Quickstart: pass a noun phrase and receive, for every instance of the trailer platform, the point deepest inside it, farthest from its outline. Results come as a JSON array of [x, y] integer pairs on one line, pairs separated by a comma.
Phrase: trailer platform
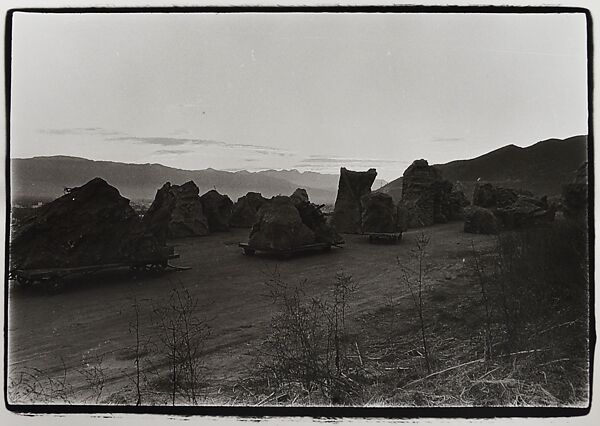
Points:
[[52, 278], [250, 251], [384, 237]]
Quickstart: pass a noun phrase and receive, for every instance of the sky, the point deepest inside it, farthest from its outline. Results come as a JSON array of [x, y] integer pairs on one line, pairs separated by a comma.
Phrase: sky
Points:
[[306, 91]]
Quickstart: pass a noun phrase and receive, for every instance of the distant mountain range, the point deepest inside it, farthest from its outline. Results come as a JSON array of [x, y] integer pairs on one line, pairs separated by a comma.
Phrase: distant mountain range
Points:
[[542, 168], [44, 178]]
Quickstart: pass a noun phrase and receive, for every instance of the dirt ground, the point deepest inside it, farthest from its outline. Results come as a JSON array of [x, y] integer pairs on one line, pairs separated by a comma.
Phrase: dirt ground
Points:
[[91, 318]]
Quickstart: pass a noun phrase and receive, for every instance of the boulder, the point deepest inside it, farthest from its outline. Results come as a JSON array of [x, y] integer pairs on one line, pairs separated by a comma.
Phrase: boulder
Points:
[[280, 226], [299, 197], [316, 221], [479, 220], [402, 218], [514, 209], [442, 190], [353, 185], [244, 211], [92, 224], [218, 210], [521, 213], [425, 195], [314, 218], [176, 212], [458, 202], [378, 213], [489, 196]]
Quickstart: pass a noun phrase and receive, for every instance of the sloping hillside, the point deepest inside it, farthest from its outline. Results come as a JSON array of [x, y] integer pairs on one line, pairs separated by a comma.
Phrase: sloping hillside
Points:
[[541, 168], [46, 177]]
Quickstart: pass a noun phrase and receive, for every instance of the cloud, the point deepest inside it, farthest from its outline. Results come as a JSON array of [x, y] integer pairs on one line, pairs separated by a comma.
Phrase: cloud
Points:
[[172, 151], [178, 141], [81, 131], [168, 141], [314, 160], [446, 139]]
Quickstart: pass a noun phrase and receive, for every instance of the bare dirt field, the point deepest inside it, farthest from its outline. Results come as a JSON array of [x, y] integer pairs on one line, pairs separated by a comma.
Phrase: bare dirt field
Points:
[[91, 317], [77, 346]]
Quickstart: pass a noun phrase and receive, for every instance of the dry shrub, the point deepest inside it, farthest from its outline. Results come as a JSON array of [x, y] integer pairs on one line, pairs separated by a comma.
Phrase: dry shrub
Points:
[[308, 344]]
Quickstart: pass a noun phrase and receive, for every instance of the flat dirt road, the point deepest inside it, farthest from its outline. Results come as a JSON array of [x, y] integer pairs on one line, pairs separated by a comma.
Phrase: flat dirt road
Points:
[[91, 318]]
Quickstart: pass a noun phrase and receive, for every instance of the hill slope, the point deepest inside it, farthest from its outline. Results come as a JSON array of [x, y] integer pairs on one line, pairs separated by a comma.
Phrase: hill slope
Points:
[[541, 168], [45, 178]]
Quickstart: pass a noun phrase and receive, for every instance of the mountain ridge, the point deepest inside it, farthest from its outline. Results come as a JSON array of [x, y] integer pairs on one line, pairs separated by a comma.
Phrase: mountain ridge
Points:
[[45, 177], [542, 168]]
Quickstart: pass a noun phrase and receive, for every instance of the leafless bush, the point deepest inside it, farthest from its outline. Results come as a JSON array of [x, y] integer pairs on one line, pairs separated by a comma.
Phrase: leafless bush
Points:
[[93, 372], [33, 385], [181, 337], [308, 341], [414, 277], [485, 300], [532, 277]]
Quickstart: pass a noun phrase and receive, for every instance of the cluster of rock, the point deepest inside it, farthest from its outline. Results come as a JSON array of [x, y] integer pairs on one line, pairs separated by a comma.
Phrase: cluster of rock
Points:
[[285, 223], [496, 208], [92, 224], [178, 211], [427, 198]]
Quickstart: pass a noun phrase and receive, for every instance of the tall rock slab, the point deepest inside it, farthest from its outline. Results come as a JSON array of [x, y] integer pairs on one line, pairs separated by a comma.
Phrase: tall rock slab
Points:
[[425, 195], [176, 212], [347, 213]]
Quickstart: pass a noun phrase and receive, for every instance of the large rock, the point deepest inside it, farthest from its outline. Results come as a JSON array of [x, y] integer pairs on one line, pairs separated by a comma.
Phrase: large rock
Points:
[[513, 209], [489, 196], [442, 211], [458, 202], [524, 212], [218, 209], [244, 211], [177, 212], [92, 224], [314, 218], [280, 227], [347, 213], [425, 195], [479, 220], [299, 197], [402, 218], [378, 213]]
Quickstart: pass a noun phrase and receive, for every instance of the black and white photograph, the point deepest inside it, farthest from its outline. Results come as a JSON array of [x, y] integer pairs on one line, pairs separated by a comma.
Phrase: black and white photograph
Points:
[[299, 208]]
